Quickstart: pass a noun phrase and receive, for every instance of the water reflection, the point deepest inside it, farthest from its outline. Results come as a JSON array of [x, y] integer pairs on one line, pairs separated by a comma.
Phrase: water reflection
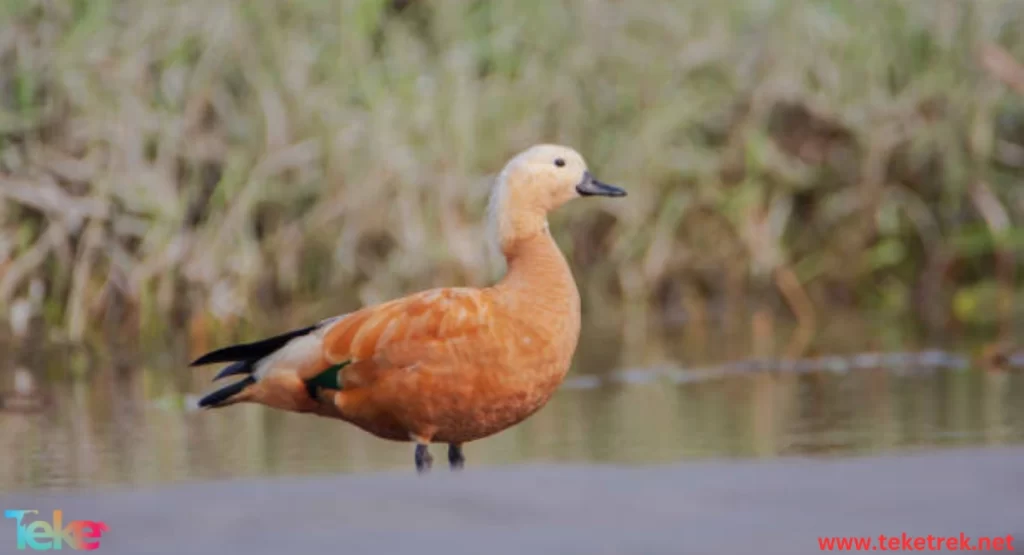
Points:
[[134, 427]]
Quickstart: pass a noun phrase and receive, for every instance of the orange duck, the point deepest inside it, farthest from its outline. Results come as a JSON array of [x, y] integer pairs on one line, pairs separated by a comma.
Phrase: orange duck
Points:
[[446, 365]]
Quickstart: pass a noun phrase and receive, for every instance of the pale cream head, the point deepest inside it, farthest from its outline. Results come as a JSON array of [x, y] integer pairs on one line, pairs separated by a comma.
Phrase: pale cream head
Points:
[[535, 182]]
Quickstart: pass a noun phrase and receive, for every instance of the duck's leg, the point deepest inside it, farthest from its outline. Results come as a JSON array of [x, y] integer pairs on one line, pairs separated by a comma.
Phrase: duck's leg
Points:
[[455, 459], [423, 459]]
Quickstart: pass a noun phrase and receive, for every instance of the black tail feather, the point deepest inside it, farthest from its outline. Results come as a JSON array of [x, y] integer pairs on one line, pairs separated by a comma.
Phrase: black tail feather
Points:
[[250, 351], [240, 367], [216, 398]]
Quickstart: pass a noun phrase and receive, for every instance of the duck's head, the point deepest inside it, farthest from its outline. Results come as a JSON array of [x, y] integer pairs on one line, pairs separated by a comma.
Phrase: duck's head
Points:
[[535, 182]]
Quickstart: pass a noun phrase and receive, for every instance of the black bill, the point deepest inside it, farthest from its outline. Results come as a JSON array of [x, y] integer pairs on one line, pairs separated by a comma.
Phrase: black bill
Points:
[[591, 187]]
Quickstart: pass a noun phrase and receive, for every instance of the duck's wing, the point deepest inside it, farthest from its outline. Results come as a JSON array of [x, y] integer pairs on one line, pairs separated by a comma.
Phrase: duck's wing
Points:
[[440, 325], [435, 325]]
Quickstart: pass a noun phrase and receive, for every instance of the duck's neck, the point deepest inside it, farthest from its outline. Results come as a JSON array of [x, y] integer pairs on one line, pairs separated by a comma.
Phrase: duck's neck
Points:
[[539, 280]]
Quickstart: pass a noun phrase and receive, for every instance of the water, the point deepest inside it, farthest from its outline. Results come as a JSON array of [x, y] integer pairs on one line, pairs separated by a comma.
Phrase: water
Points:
[[134, 425]]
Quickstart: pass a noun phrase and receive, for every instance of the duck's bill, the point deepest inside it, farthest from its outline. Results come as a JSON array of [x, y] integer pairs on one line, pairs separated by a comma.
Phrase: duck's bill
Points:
[[591, 187]]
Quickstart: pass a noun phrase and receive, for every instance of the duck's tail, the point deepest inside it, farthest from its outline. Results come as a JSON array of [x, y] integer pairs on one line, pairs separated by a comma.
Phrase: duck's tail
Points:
[[246, 358]]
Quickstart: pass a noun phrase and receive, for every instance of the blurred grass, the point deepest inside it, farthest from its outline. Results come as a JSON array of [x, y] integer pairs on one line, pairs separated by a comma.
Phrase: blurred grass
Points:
[[186, 163]]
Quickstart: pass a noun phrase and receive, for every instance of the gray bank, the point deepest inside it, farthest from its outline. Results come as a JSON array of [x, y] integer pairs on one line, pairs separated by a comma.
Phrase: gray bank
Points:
[[773, 506]]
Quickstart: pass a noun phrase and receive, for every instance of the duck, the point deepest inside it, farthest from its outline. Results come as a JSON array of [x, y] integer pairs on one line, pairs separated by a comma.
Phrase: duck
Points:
[[447, 365]]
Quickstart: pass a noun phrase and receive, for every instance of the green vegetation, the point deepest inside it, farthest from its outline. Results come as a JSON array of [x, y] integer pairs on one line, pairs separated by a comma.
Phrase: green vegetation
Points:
[[169, 163]]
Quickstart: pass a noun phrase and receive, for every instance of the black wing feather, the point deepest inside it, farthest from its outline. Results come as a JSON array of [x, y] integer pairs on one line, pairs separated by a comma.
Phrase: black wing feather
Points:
[[250, 351], [213, 400]]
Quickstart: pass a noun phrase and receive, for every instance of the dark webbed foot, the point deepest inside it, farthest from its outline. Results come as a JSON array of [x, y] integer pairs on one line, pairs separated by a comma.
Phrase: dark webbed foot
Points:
[[423, 459], [455, 459]]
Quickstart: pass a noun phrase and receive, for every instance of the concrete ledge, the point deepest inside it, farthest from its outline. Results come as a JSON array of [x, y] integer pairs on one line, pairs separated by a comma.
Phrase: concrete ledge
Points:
[[772, 506]]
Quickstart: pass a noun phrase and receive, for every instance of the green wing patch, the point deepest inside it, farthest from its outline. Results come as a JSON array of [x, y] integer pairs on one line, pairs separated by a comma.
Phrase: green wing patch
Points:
[[328, 379]]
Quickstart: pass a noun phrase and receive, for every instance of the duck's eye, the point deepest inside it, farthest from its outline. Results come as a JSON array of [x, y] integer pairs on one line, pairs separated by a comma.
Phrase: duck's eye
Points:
[[559, 162]]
